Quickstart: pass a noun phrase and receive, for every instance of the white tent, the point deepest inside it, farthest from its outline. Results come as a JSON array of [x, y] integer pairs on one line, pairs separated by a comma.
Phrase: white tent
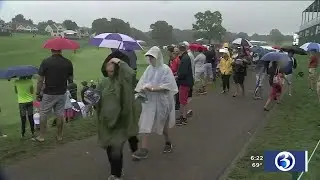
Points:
[[69, 32]]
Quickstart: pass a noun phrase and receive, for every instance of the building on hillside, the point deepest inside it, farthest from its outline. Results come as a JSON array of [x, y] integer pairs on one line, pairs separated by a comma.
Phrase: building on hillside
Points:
[[5, 27], [25, 28], [55, 29], [310, 24]]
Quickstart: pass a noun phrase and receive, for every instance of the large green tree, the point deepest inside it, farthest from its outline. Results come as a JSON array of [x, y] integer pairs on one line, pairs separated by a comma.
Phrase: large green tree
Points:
[[208, 25], [101, 25], [119, 26], [70, 25], [243, 35], [162, 33], [276, 36]]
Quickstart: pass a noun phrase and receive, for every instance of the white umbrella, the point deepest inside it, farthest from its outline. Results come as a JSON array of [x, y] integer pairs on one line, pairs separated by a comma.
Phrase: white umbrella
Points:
[[242, 42]]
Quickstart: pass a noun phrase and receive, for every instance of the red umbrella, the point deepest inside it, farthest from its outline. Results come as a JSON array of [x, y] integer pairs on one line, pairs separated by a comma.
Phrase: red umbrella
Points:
[[196, 47], [61, 44]]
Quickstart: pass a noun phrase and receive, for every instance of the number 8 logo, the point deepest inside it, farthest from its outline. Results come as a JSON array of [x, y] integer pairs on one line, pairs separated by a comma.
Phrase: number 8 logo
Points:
[[284, 161]]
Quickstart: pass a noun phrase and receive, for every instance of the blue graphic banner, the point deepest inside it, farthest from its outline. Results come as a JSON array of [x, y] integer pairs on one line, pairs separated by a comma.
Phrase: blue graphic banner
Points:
[[285, 161]]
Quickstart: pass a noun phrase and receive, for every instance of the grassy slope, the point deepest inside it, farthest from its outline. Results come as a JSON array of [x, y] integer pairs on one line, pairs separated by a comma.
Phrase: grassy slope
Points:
[[25, 50], [294, 125]]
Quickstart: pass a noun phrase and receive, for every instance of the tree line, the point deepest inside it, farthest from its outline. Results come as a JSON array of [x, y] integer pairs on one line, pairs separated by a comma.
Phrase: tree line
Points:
[[208, 25]]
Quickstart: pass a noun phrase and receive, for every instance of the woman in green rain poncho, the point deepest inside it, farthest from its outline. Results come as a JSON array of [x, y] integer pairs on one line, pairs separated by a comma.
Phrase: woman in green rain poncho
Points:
[[116, 112]]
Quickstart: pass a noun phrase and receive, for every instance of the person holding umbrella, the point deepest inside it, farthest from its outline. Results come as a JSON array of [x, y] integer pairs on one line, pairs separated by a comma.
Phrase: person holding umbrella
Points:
[[239, 66], [288, 70], [55, 87]]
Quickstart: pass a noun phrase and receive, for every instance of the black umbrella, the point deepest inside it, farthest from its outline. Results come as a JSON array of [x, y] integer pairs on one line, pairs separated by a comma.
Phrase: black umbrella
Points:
[[294, 49]]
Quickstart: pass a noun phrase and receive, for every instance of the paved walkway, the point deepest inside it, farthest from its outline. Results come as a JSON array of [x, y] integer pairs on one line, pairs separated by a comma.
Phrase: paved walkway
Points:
[[202, 150]]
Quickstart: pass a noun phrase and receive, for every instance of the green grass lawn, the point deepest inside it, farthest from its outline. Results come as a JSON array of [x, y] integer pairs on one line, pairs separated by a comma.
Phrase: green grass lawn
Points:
[[293, 125], [23, 49]]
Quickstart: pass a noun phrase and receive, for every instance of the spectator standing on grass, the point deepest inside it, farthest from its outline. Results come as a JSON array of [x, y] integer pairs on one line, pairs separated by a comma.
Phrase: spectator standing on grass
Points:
[[313, 65], [68, 112], [116, 112], [2, 135], [288, 71], [199, 70], [54, 91], [158, 114], [93, 84], [185, 81], [23, 87], [73, 89], [88, 107]]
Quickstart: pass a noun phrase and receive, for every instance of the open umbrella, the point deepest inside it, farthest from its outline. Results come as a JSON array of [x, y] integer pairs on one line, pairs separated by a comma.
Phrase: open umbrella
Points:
[[196, 47], [242, 42], [282, 58], [18, 71], [60, 43], [115, 40], [294, 49], [311, 46]]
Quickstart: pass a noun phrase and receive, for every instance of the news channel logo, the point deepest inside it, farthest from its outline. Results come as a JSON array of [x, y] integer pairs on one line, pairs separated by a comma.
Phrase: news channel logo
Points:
[[285, 161]]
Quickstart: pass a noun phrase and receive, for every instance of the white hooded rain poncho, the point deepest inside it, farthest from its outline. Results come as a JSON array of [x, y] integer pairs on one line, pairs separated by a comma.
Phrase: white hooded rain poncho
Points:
[[158, 111]]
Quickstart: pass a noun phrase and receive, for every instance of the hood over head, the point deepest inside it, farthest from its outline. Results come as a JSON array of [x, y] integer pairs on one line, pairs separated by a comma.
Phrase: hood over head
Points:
[[116, 54]]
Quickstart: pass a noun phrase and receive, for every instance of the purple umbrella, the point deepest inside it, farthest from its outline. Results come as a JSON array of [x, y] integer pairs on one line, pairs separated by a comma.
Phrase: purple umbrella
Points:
[[115, 40]]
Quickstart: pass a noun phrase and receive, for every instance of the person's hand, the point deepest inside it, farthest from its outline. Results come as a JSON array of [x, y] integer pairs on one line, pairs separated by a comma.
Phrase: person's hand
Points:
[[115, 60], [148, 88]]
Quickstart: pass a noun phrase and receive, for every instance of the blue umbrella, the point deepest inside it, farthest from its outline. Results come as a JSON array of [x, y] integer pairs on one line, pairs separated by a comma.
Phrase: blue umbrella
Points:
[[282, 58], [311, 46], [259, 50], [18, 71], [115, 40]]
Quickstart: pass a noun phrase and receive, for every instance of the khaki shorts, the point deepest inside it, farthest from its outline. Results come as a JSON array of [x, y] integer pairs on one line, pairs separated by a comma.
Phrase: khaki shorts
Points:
[[312, 73], [55, 102]]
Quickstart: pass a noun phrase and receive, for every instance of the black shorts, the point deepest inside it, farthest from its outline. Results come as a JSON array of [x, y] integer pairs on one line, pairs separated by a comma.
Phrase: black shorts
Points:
[[238, 78], [26, 109]]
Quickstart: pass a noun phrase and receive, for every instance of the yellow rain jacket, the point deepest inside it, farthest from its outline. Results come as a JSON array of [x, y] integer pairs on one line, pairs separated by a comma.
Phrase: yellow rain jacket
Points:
[[226, 65]]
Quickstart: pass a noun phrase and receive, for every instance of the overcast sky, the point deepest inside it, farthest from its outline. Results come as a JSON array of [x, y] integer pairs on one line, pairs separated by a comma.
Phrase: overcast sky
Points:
[[246, 16]]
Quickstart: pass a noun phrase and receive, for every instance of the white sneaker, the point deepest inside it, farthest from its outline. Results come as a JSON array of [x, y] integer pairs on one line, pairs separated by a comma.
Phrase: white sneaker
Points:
[[112, 177], [290, 94], [3, 135]]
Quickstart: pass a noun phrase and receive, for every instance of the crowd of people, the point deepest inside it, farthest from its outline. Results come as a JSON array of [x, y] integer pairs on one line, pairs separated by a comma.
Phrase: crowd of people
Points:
[[126, 108]]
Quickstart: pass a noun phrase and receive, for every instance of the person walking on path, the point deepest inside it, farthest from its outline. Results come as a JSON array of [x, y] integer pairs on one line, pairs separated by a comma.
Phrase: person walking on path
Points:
[[23, 87], [185, 81], [226, 71], [158, 113], [239, 73], [261, 68], [288, 71], [54, 91], [199, 69], [313, 65], [275, 81], [116, 111]]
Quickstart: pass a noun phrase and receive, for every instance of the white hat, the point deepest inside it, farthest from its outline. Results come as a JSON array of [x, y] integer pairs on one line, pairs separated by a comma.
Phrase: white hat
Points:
[[91, 81], [223, 50]]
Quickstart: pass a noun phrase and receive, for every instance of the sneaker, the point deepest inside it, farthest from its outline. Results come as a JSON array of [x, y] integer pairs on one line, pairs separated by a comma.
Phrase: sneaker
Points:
[[189, 113], [184, 121], [179, 122], [141, 154], [112, 177], [290, 94], [167, 148], [3, 135], [223, 91]]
